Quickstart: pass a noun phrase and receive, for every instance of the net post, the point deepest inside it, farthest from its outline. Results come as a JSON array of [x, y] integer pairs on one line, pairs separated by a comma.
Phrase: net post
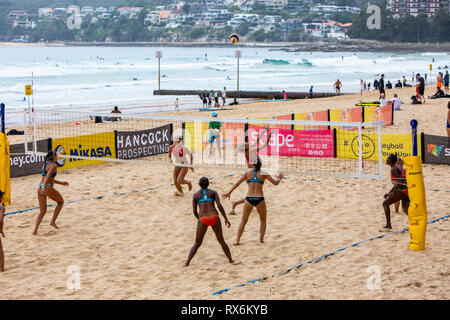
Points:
[[380, 153], [25, 130], [422, 146], [360, 158], [335, 142], [2, 113], [414, 123]]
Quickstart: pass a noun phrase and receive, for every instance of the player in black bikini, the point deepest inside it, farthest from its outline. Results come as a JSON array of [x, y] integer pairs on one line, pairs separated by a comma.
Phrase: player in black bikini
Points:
[[255, 197]]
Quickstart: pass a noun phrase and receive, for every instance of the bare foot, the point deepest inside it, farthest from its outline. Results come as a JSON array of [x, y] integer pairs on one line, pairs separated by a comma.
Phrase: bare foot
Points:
[[385, 229], [236, 243], [185, 265], [178, 193], [261, 241], [232, 213], [190, 186], [235, 263], [34, 233], [53, 224], [234, 204], [2, 234]]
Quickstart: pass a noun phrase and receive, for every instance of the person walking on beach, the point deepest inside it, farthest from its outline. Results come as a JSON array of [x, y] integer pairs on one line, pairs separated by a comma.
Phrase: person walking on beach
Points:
[[376, 85], [337, 86], [255, 197], [183, 161], [361, 84], [207, 216], [203, 97], [46, 189], [216, 99], [398, 193], [214, 135], [420, 88], [311, 92], [381, 85], [446, 79], [177, 107], [224, 96]]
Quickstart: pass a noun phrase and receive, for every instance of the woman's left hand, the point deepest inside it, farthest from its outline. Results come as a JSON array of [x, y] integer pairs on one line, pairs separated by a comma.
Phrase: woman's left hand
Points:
[[65, 183]]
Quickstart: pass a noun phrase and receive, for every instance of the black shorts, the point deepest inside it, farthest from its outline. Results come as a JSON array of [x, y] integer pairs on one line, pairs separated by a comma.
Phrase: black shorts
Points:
[[382, 91], [421, 90], [445, 84]]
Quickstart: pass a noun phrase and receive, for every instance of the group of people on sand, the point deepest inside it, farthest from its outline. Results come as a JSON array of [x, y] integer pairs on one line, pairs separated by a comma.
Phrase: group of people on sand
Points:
[[208, 97]]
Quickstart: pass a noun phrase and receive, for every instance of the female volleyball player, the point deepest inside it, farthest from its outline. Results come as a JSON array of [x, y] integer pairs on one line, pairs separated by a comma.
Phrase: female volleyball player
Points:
[[46, 189], [398, 193], [402, 166], [180, 154], [251, 153], [255, 197], [2, 214], [208, 216]]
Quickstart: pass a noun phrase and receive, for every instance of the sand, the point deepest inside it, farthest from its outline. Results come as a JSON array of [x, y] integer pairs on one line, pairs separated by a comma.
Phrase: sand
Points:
[[132, 246]]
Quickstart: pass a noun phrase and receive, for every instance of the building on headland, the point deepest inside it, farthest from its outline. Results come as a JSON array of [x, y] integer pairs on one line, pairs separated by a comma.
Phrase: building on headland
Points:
[[17, 14], [274, 4], [416, 7], [327, 10]]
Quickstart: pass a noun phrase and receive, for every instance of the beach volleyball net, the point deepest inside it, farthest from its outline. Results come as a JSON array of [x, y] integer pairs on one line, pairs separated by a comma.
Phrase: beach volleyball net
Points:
[[316, 148]]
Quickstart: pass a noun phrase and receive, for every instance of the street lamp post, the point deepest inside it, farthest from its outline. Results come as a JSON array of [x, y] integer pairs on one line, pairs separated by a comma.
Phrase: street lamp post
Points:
[[159, 55], [237, 55]]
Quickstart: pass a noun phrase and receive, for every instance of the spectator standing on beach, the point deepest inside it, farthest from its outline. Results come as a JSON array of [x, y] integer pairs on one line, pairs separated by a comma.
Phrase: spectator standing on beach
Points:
[[311, 92], [368, 86], [425, 78], [396, 102], [224, 96], [404, 81], [381, 85], [284, 95], [210, 98], [203, 97], [337, 86], [216, 99], [413, 78], [376, 85], [177, 108], [446, 78], [420, 88], [361, 84], [439, 79]]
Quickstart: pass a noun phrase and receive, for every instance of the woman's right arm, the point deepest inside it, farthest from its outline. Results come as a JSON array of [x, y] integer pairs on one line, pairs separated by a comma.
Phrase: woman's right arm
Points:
[[237, 184], [275, 181], [170, 153]]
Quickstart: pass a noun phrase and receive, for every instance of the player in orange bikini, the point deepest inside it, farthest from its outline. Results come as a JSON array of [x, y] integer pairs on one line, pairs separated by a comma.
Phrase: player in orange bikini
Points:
[[207, 216]]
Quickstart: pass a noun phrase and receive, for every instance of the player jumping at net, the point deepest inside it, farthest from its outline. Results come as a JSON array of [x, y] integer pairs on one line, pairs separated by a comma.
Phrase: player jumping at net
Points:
[[182, 165], [255, 197], [46, 189], [208, 216], [251, 154], [398, 193]]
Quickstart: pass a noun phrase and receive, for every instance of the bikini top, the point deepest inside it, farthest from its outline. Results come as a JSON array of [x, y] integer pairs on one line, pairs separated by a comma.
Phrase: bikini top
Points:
[[255, 178], [44, 171], [205, 197], [401, 178]]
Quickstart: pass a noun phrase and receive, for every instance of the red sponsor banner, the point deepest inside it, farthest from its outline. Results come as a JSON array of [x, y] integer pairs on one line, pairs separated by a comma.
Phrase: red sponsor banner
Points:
[[379, 114], [300, 143]]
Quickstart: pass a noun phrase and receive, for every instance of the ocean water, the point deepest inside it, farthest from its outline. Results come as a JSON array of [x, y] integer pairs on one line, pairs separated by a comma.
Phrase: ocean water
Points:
[[98, 78]]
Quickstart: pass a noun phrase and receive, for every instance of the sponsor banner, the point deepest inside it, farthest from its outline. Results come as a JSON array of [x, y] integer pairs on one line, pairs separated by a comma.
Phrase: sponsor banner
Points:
[[347, 145], [312, 116], [98, 145], [233, 133], [347, 115], [143, 143], [196, 135], [379, 114], [301, 143], [436, 149], [22, 164]]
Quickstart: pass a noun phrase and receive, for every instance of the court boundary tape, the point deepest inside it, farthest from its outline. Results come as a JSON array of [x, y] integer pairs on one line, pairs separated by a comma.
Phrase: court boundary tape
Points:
[[319, 258], [113, 195]]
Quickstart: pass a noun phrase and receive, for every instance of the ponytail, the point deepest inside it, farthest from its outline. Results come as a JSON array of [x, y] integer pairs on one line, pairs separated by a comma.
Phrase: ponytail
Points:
[[50, 155], [258, 164]]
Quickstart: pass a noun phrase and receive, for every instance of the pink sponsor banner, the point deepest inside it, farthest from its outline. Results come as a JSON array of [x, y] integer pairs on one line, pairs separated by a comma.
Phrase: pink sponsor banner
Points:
[[300, 143]]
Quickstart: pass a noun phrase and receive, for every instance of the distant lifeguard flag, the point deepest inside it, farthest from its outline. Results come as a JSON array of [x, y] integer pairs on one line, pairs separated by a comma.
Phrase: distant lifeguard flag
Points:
[[28, 91], [234, 38]]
